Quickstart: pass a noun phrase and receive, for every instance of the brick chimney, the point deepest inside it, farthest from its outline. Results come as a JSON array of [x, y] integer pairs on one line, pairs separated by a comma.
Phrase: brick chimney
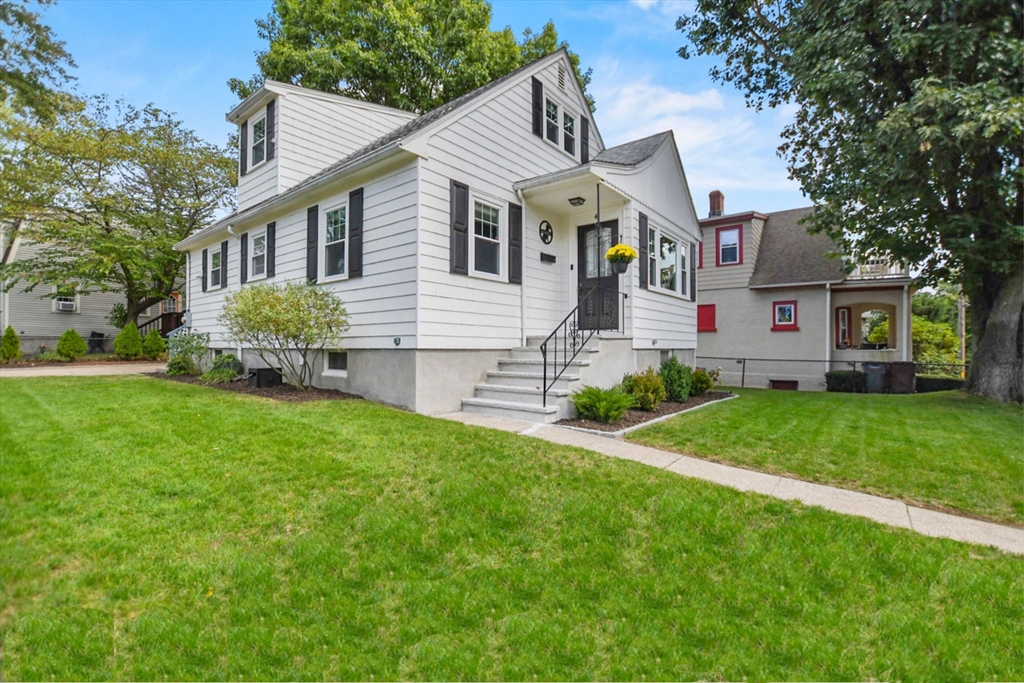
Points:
[[717, 204]]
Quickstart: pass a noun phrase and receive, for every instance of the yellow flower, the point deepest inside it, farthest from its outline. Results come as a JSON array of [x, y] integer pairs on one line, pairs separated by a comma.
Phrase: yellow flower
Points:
[[621, 252]]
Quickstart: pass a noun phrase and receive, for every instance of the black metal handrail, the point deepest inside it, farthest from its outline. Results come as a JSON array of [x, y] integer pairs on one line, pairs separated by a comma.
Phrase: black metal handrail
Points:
[[163, 323], [573, 338]]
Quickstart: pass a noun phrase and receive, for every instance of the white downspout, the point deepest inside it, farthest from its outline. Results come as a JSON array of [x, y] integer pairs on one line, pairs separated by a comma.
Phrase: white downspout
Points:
[[828, 326], [238, 238], [522, 285]]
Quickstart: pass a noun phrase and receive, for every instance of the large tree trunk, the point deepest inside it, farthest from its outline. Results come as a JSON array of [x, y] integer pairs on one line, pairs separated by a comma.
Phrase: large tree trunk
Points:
[[997, 319]]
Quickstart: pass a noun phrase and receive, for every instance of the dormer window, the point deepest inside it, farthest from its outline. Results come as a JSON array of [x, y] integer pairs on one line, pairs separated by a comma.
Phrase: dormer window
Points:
[[259, 140], [729, 243], [552, 121]]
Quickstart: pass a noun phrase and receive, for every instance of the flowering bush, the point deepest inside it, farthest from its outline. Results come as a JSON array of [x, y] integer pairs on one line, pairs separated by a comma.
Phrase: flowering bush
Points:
[[621, 253]]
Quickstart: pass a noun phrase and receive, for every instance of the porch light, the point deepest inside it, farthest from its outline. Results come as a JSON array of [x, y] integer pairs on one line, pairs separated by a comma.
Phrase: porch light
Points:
[[577, 201]]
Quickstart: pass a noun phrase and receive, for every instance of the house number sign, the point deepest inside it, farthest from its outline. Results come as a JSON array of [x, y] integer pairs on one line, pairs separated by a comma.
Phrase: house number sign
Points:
[[546, 233]]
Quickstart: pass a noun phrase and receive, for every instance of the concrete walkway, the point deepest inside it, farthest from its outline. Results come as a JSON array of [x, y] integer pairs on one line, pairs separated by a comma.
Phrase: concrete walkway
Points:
[[884, 510], [82, 370]]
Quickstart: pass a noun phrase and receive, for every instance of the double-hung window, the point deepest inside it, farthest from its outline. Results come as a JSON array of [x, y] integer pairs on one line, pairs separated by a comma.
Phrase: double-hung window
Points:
[[258, 265], [569, 133], [215, 269], [334, 242], [551, 110], [668, 267], [259, 140], [486, 239], [729, 246]]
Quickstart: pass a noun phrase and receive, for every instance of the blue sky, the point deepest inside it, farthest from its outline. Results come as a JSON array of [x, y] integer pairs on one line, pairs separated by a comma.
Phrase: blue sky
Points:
[[179, 54]]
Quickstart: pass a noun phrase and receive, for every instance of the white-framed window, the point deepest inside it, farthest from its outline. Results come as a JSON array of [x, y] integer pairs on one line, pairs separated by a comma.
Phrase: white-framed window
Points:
[[258, 255], [170, 305], [551, 114], [259, 140], [336, 363], [215, 269], [569, 133], [729, 246], [667, 262], [335, 236], [486, 253]]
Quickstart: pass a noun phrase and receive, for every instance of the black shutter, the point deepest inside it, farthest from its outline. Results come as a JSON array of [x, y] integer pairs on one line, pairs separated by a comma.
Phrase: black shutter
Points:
[[243, 149], [693, 271], [223, 264], [644, 265], [270, 129], [515, 244], [312, 231], [585, 140], [538, 108], [459, 248], [355, 233], [243, 256], [271, 247], [205, 260]]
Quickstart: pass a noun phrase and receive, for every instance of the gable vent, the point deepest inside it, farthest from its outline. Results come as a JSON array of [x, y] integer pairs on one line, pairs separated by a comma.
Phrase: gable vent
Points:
[[561, 77]]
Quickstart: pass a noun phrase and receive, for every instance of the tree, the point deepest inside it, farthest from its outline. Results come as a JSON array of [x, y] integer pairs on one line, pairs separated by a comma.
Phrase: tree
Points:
[[32, 63], [285, 325], [409, 54], [907, 135], [932, 342], [124, 185]]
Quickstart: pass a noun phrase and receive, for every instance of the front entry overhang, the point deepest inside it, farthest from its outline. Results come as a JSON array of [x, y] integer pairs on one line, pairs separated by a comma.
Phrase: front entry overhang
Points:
[[552, 192]]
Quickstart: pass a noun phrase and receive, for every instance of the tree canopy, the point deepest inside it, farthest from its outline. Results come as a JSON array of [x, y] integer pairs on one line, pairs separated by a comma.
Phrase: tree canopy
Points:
[[32, 62], [409, 54], [105, 193], [907, 134]]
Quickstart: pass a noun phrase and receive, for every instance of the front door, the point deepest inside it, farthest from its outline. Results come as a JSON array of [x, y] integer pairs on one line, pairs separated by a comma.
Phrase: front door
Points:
[[598, 285]]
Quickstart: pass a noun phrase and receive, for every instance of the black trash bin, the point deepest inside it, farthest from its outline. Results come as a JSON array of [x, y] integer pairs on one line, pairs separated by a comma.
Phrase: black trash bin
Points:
[[874, 377], [902, 377]]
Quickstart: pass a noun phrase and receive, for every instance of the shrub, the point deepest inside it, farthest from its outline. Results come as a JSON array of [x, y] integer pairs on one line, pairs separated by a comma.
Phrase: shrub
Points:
[[190, 348], [227, 361], [929, 383], [118, 316], [701, 382], [627, 382], [217, 375], [601, 405], [677, 378], [846, 381], [71, 346], [153, 345], [52, 356], [286, 326], [128, 343], [647, 389], [10, 346], [180, 365]]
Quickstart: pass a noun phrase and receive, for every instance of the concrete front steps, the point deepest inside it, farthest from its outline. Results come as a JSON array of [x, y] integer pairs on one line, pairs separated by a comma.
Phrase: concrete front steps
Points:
[[515, 390]]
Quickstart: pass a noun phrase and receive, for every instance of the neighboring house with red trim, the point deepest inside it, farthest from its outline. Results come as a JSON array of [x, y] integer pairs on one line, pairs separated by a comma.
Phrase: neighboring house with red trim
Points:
[[769, 290]]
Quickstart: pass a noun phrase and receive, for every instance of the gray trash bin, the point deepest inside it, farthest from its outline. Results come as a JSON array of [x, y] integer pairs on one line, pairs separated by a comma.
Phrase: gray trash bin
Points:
[[874, 377]]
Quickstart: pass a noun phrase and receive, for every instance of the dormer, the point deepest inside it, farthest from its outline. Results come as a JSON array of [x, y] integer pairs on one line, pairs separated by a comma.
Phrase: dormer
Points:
[[287, 133]]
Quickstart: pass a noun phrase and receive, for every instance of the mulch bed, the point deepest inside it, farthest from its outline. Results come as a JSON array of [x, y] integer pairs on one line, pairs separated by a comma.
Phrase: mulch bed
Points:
[[638, 417], [283, 392]]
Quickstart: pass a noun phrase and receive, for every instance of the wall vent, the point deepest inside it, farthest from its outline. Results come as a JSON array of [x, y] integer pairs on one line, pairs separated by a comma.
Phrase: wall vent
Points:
[[561, 77]]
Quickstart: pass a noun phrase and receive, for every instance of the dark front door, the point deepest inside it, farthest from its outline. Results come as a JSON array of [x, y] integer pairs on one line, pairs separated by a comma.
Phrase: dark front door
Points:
[[598, 285]]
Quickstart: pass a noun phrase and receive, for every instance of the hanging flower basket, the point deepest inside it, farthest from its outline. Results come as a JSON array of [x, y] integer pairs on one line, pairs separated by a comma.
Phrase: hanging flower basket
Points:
[[620, 256]]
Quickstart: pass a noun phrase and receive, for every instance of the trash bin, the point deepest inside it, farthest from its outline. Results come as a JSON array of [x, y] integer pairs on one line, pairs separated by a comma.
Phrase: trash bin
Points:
[[902, 377], [874, 377]]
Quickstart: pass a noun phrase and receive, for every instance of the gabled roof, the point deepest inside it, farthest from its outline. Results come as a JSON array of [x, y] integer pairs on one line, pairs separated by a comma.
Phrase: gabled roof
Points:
[[633, 153], [382, 145], [790, 255]]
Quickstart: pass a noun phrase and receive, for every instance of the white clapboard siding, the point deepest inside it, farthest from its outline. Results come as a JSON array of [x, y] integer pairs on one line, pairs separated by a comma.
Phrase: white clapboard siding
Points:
[[727, 277], [489, 148], [382, 303]]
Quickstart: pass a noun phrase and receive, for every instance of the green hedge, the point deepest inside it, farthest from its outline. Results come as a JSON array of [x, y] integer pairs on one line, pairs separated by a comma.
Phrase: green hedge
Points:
[[929, 383], [846, 381]]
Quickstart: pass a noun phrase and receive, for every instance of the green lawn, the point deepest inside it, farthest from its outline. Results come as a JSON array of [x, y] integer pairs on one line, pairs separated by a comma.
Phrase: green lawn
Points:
[[945, 449], [157, 530]]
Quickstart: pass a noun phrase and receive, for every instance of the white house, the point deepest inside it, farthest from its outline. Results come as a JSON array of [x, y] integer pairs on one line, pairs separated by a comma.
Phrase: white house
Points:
[[460, 240]]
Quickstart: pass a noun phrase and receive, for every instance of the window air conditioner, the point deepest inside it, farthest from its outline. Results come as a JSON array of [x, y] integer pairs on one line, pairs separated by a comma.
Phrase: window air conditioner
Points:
[[65, 305]]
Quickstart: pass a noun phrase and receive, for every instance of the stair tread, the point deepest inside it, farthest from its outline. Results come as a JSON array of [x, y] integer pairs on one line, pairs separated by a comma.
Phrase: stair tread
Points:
[[509, 405], [535, 361], [527, 375], [512, 389]]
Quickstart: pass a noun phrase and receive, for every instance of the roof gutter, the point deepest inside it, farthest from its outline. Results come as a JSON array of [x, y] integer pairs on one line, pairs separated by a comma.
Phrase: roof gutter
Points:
[[557, 177], [289, 195], [796, 284]]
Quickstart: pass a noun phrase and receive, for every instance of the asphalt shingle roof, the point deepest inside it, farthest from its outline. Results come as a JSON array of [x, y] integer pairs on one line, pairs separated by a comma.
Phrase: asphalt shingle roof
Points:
[[790, 255], [632, 153]]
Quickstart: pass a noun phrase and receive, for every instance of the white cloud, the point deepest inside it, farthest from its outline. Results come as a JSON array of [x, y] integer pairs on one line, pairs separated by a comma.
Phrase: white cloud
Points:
[[644, 4]]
